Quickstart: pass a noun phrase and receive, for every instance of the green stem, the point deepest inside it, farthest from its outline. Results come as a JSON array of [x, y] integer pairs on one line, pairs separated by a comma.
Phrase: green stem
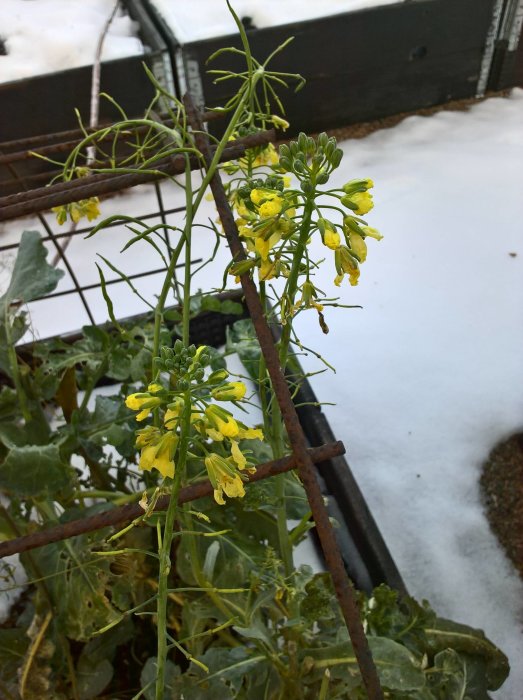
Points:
[[158, 314], [292, 281], [15, 371], [228, 133], [165, 553], [172, 510], [277, 423]]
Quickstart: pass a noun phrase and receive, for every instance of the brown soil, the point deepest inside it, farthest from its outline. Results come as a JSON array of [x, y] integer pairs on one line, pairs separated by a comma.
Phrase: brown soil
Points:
[[502, 492]]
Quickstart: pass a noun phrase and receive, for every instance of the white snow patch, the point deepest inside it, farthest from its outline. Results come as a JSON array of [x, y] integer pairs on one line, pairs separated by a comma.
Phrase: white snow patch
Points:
[[206, 19], [43, 36]]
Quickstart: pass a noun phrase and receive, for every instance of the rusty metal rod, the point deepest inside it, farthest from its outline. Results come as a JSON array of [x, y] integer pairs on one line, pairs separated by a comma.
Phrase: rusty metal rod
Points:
[[32, 142], [306, 471], [43, 198], [162, 164], [124, 514]]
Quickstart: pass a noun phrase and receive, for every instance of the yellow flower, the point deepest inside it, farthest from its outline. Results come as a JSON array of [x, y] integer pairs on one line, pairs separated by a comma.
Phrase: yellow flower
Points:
[[263, 247], [280, 123], [90, 208], [233, 391], [268, 156], [360, 185], [147, 435], [142, 402], [268, 269], [224, 478], [160, 456], [154, 388], [331, 239], [358, 246], [372, 232], [222, 421], [271, 208], [250, 433], [345, 263], [243, 211], [363, 202], [61, 214], [238, 455], [354, 276]]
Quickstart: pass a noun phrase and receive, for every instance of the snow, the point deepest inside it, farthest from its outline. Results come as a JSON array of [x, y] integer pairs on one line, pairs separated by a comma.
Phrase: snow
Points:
[[43, 36], [204, 19]]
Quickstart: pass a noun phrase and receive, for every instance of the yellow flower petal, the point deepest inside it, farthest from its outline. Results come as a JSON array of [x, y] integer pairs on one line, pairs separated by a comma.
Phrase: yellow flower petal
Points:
[[331, 239], [238, 455]]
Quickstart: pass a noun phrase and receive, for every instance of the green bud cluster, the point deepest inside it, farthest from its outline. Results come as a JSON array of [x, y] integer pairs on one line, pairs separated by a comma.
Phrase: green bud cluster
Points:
[[272, 182], [312, 161], [184, 364]]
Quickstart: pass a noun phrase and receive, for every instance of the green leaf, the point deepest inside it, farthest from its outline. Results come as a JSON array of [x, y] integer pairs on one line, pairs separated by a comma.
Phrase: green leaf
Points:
[[119, 364], [403, 620], [13, 647], [445, 634], [140, 365], [92, 677], [242, 339], [19, 326], [15, 435], [34, 470], [149, 674], [397, 668], [9, 403], [447, 678], [228, 669], [32, 276], [227, 306], [317, 603], [87, 583]]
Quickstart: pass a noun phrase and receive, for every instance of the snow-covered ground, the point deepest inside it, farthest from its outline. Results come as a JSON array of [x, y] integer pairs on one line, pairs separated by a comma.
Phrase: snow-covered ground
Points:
[[429, 371], [43, 36], [203, 19]]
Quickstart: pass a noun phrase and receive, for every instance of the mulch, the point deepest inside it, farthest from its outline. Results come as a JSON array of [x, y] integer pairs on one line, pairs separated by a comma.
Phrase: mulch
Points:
[[502, 492]]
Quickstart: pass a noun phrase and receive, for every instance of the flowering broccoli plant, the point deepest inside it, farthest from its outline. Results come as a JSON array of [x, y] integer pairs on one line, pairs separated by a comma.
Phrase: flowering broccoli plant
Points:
[[202, 599], [194, 398]]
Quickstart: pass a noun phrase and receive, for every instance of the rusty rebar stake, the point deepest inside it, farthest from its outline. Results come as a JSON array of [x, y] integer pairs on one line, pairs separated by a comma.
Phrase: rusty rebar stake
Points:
[[124, 514], [42, 198], [333, 559]]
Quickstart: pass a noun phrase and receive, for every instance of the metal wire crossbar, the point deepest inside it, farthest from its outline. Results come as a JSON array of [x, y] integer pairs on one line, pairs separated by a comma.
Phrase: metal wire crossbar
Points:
[[124, 514], [302, 458]]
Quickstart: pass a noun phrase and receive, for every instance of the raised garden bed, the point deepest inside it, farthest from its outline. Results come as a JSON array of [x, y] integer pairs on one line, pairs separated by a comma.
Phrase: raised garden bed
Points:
[[360, 65], [46, 103]]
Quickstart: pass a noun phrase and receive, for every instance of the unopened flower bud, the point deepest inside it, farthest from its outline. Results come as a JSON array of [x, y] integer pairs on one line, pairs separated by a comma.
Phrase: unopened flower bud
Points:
[[233, 391], [218, 376]]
